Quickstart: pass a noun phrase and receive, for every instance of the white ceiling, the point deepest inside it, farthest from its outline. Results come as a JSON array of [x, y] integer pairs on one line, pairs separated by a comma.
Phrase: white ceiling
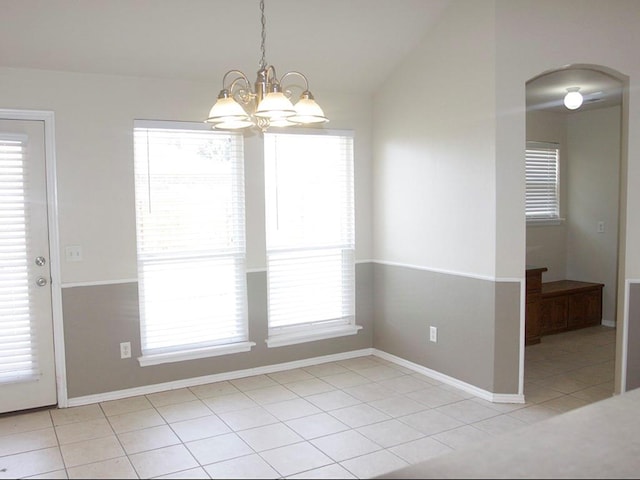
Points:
[[599, 90], [338, 44]]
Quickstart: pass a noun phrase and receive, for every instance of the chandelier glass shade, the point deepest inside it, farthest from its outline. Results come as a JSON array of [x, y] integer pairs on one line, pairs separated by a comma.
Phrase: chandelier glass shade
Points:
[[265, 104]]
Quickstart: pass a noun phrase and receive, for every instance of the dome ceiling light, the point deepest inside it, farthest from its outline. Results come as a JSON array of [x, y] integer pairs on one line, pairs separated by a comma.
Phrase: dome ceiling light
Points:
[[573, 98]]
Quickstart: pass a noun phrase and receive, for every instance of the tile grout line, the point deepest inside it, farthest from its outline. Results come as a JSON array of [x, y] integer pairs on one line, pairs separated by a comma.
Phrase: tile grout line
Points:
[[352, 367]]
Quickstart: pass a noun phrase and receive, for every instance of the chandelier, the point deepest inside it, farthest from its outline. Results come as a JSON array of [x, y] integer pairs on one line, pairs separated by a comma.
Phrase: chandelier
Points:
[[268, 104]]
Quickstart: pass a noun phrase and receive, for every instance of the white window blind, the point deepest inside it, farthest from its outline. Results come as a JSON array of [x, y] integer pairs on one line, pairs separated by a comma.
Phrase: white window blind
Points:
[[542, 194], [189, 186], [18, 359], [310, 236]]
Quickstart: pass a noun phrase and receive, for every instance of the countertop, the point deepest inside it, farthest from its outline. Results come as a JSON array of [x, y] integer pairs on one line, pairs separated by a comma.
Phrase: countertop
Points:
[[600, 440], [533, 268]]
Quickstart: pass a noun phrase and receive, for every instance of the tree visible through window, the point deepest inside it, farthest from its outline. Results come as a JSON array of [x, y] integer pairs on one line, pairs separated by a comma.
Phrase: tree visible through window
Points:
[[189, 187]]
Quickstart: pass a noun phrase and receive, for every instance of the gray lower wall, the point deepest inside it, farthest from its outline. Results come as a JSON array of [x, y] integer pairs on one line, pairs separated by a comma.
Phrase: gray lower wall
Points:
[[506, 377], [98, 318], [477, 321], [478, 324], [633, 339]]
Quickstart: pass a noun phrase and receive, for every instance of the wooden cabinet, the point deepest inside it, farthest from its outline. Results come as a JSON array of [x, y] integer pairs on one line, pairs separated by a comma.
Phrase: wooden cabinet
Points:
[[532, 325], [569, 304], [553, 312], [532, 322]]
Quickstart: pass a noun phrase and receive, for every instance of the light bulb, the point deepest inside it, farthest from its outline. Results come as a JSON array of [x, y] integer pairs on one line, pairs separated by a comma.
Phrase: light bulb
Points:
[[573, 98]]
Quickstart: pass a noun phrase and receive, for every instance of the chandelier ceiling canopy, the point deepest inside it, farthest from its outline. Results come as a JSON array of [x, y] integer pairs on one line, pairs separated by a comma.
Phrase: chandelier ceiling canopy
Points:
[[267, 103]]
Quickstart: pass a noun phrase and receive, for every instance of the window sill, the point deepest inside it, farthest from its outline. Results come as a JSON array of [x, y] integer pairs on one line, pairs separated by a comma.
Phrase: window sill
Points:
[[545, 222], [159, 358], [304, 337]]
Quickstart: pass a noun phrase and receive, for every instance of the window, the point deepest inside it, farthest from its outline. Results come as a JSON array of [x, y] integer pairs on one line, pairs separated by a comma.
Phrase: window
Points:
[[310, 236], [189, 187], [542, 196], [18, 355]]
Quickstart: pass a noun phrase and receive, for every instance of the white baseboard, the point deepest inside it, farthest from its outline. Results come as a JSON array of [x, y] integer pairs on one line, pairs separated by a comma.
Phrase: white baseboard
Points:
[[454, 382], [219, 377], [608, 323]]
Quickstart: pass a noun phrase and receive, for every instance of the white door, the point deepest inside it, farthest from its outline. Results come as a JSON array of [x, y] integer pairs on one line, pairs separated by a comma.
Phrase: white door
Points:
[[27, 367]]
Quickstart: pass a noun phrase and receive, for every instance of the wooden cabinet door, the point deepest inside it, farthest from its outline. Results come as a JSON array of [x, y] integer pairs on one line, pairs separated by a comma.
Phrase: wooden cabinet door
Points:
[[553, 314], [585, 308], [532, 320]]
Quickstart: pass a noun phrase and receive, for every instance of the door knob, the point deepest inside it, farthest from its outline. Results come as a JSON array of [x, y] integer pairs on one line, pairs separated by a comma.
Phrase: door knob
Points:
[[41, 281], [40, 261]]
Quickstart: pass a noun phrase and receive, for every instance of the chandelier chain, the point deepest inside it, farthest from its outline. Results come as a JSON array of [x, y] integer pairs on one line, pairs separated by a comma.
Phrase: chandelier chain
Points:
[[263, 21]]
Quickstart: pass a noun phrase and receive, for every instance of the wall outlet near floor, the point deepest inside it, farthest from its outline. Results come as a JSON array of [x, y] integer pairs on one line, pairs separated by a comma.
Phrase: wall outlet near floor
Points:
[[125, 350], [433, 334]]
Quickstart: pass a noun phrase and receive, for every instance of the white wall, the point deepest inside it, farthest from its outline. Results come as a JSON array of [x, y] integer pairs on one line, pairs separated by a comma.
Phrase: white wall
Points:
[[94, 146], [434, 137], [589, 173], [593, 177], [567, 32], [547, 244]]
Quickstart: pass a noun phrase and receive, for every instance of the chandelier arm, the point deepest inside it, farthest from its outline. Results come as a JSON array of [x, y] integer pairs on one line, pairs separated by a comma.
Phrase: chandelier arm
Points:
[[306, 81], [241, 76], [271, 76]]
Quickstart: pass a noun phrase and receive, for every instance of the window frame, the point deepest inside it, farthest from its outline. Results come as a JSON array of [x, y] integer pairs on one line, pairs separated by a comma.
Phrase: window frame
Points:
[[303, 332], [543, 219], [21, 362], [236, 259]]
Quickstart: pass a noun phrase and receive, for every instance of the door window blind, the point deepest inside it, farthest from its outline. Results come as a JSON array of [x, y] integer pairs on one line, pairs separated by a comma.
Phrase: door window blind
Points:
[[542, 192], [18, 359], [189, 186], [310, 232]]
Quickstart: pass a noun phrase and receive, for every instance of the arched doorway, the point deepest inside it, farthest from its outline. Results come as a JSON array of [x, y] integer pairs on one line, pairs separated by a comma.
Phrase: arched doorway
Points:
[[586, 241]]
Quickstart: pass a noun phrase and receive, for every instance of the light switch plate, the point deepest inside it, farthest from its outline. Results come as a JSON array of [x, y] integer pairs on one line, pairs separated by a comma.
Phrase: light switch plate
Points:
[[433, 334], [73, 253]]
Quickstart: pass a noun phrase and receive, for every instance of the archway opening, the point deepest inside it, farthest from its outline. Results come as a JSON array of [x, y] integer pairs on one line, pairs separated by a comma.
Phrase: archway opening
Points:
[[584, 241]]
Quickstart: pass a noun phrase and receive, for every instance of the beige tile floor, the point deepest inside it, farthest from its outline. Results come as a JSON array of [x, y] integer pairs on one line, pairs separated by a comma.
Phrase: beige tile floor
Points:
[[356, 418]]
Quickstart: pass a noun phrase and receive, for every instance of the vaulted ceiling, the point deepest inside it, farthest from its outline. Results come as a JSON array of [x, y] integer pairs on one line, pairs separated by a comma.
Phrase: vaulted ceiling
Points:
[[339, 44], [344, 45]]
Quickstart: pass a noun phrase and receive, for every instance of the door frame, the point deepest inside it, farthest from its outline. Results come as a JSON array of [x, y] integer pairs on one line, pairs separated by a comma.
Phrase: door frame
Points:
[[623, 283], [54, 243]]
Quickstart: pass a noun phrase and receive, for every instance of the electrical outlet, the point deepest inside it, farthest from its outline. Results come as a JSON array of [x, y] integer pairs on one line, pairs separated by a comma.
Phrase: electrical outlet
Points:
[[600, 227], [125, 350], [433, 334]]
